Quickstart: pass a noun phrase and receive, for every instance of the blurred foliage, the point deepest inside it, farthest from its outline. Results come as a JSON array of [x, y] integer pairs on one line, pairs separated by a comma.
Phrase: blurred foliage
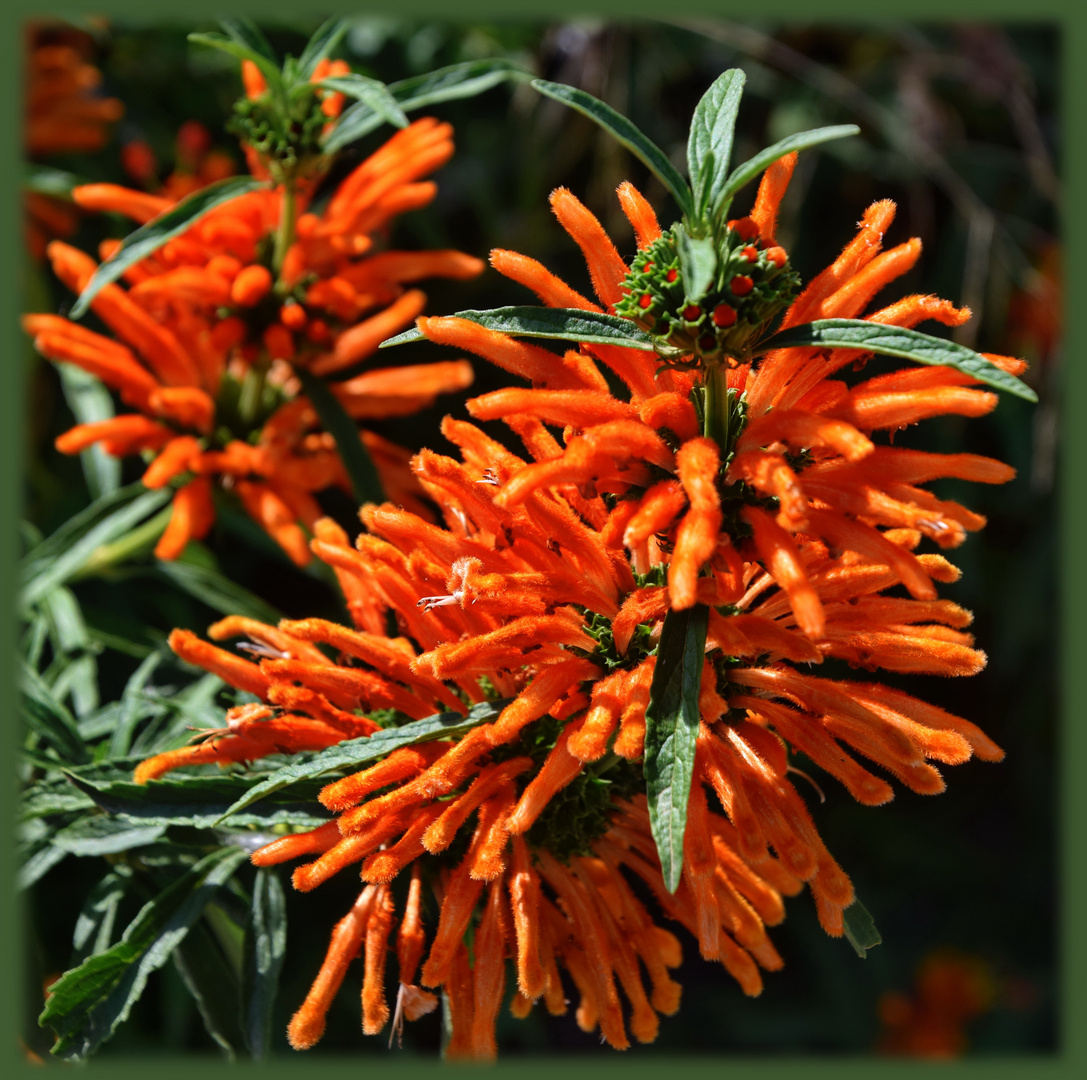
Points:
[[960, 126]]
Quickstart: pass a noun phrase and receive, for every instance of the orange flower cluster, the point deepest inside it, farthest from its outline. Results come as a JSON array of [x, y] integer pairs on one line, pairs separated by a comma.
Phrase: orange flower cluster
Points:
[[207, 336], [548, 585], [63, 114], [951, 989]]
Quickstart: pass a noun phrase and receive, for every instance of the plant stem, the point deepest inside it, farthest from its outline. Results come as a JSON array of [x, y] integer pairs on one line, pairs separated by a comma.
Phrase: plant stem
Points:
[[249, 397], [135, 543], [285, 232], [716, 423]]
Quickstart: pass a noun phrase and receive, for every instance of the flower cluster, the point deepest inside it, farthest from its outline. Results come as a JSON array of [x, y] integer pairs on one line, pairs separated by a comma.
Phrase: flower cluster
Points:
[[546, 589], [213, 327]]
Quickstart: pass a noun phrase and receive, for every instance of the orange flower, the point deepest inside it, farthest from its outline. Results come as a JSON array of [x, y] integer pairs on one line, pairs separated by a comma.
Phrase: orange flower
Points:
[[65, 113], [207, 338], [549, 585]]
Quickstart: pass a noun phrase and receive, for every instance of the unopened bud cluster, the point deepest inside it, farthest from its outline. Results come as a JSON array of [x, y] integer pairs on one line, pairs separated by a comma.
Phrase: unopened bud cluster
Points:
[[288, 142], [752, 283]]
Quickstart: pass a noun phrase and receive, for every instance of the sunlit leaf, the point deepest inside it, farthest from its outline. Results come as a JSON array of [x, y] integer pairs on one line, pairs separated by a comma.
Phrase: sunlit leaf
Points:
[[147, 239], [421, 91], [902, 343], [620, 128], [373, 93], [356, 752], [697, 262], [671, 731], [327, 37], [712, 128], [802, 140], [557, 324]]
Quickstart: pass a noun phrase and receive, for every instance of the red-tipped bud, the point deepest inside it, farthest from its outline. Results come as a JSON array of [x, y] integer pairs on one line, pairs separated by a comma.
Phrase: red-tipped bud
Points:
[[750, 253], [692, 312], [251, 286], [741, 285], [723, 316], [645, 300], [745, 228], [777, 256], [672, 274], [293, 316]]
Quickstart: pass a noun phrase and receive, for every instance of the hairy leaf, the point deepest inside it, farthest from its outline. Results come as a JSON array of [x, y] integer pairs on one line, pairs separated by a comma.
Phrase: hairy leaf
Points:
[[100, 834], [617, 125], [697, 262], [905, 344], [712, 128], [365, 482], [147, 239], [671, 731], [558, 324], [356, 752], [87, 1004]]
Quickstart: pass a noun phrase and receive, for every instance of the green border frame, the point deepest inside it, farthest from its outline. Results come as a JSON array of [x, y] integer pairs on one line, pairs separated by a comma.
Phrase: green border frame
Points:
[[1071, 16]]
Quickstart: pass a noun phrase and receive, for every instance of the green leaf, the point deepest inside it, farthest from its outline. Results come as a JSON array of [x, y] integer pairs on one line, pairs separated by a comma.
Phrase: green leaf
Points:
[[212, 983], [43, 180], [89, 401], [246, 32], [47, 717], [245, 41], [356, 752], [51, 795], [41, 858], [420, 91], [94, 926], [99, 834], [87, 1004], [897, 341], [148, 238], [671, 731], [712, 128], [558, 324], [697, 262], [745, 173], [643, 148], [365, 482], [133, 708], [69, 635], [860, 929], [218, 592], [265, 948], [318, 47], [202, 801], [84, 532], [373, 93]]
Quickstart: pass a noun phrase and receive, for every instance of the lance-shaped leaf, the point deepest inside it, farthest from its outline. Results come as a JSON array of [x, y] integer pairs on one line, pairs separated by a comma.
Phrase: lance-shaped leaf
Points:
[[48, 717], [365, 482], [712, 128], [100, 834], [557, 324], [327, 37], [860, 929], [44, 180], [421, 91], [671, 732], [265, 948], [52, 563], [215, 590], [372, 92], [697, 262], [245, 51], [150, 237], [905, 344], [94, 927], [356, 752], [213, 984], [745, 173], [640, 145], [201, 801], [87, 1004]]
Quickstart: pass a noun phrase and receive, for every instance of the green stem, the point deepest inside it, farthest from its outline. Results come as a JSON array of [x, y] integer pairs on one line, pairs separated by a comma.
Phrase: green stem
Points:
[[716, 423], [249, 397], [135, 543], [285, 232]]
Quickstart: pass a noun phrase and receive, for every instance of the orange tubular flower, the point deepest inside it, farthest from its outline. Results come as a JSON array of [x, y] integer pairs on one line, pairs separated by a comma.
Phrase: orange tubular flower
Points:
[[208, 335], [750, 494]]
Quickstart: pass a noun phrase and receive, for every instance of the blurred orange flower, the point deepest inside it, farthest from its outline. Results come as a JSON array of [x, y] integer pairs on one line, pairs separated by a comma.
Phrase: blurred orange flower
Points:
[[208, 334]]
